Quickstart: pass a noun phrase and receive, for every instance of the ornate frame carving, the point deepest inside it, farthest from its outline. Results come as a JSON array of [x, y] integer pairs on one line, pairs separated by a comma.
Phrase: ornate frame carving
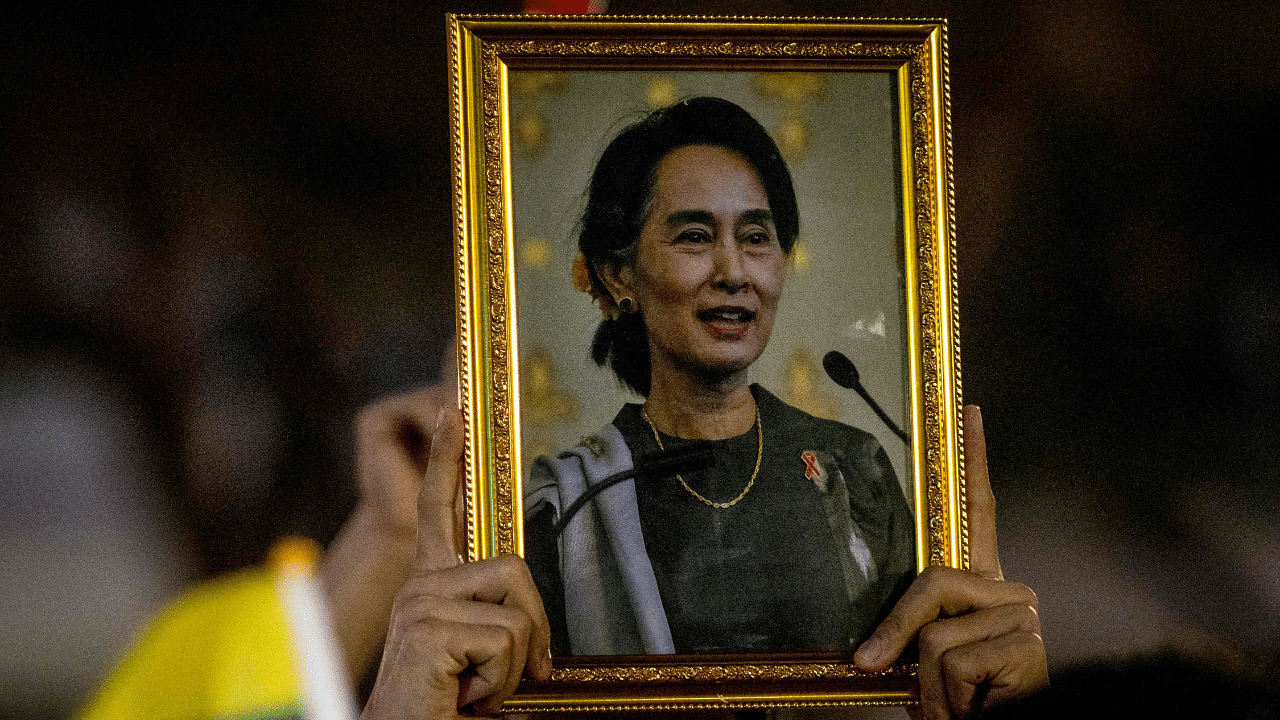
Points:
[[482, 49]]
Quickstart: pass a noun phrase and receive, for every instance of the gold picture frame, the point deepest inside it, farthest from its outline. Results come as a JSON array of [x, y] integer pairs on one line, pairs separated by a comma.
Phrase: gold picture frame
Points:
[[500, 69]]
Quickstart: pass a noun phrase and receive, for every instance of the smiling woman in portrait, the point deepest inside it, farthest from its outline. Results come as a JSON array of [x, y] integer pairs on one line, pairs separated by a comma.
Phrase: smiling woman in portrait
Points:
[[798, 538]]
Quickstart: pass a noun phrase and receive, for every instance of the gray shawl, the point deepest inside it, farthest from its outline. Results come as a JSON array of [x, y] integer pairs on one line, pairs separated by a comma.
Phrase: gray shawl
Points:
[[603, 560]]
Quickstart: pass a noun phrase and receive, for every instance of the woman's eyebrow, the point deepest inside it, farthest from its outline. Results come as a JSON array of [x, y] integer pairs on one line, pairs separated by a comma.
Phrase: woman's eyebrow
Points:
[[758, 216], [761, 216], [680, 217]]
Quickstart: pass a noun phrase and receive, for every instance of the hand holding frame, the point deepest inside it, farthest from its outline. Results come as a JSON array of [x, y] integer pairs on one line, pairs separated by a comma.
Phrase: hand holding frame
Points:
[[979, 634], [461, 634]]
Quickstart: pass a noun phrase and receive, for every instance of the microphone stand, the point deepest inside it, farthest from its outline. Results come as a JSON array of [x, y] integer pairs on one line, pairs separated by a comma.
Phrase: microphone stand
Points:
[[665, 462], [842, 371]]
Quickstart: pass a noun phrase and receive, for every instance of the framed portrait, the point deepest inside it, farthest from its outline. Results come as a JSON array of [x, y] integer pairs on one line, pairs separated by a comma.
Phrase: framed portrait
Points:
[[708, 344]]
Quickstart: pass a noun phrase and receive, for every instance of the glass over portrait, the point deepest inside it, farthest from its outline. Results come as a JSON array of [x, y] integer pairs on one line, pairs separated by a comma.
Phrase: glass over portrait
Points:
[[686, 255]]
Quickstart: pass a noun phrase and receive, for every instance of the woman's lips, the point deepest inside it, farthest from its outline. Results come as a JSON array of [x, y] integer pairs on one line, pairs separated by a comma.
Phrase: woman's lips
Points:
[[727, 322]]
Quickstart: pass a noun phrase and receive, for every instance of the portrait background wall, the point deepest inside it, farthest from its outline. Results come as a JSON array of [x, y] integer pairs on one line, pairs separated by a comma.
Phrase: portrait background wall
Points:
[[845, 284]]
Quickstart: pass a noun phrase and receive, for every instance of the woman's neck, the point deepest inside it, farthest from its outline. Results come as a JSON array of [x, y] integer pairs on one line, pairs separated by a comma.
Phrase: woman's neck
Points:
[[696, 409]]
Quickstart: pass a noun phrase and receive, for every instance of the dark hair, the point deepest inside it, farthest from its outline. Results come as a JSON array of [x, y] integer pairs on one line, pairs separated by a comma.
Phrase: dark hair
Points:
[[620, 191]]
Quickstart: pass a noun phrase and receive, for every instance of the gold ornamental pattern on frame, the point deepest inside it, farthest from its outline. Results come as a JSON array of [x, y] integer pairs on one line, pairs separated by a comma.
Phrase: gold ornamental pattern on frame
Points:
[[499, 273]]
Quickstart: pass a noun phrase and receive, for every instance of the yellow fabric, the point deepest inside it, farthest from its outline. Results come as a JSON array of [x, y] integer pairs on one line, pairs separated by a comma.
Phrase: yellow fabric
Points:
[[222, 651]]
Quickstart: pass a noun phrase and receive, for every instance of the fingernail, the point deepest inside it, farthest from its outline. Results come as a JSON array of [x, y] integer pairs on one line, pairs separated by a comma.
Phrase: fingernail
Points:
[[869, 654], [546, 664], [440, 417]]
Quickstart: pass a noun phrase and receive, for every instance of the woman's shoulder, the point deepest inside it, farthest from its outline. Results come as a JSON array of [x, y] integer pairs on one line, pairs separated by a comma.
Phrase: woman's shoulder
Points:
[[599, 454], [792, 421]]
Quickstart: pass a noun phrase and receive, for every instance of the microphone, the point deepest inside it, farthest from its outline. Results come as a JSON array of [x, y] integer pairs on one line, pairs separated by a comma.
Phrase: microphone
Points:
[[840, 369], [689, 458]]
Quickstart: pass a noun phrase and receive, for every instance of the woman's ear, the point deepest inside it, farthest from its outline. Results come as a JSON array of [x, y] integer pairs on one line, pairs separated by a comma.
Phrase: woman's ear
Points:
[[616, 279]]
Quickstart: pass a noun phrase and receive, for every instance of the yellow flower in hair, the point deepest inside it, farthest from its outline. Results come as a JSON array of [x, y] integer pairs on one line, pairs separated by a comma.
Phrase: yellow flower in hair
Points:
[[581, 275]]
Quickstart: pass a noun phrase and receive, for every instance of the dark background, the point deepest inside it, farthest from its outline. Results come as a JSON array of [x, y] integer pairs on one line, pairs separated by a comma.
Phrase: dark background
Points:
[[232, 222]]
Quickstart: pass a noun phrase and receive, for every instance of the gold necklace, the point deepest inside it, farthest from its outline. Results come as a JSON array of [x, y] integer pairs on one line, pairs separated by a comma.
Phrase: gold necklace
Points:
[[759, 454]]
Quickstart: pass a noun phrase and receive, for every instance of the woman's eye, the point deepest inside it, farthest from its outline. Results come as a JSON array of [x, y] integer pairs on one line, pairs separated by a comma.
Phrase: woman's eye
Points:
[[758, 238], [693, 236]]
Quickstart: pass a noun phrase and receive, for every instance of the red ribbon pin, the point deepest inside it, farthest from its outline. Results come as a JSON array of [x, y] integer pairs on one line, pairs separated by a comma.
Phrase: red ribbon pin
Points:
[[811, 469]]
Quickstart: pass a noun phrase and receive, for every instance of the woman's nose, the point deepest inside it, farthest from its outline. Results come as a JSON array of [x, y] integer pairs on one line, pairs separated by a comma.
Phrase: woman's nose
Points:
[[730, 269]]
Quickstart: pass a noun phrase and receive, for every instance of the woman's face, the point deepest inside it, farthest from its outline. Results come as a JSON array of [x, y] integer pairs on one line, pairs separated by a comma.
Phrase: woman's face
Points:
[[709, 269]]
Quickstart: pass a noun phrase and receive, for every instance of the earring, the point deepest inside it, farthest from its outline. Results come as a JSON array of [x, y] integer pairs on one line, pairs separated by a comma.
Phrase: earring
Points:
[[627, 304]]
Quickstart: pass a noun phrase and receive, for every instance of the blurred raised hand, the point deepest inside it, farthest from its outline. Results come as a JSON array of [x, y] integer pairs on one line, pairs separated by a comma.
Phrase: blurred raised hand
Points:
[[979, 634], [393, 449], [373, 554]]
